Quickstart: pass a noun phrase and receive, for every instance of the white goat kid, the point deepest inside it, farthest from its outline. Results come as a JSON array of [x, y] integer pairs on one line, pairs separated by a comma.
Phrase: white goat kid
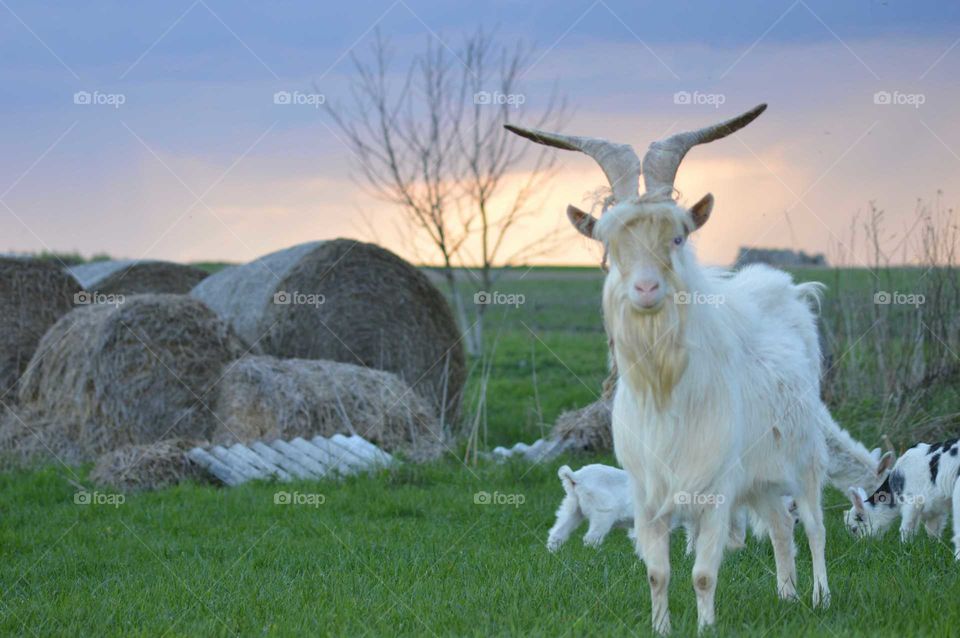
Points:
[[923, 487], [598, 493], [719, 389]]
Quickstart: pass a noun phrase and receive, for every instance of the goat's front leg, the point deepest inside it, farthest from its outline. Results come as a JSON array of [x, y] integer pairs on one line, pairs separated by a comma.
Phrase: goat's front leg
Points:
[[935, 524], [713, 530], [569, 518], [653, 547], [600, 526], [909, 520]]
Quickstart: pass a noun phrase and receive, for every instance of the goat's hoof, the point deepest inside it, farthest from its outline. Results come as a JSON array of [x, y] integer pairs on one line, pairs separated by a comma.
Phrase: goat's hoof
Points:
[[553, 546], [593, 543], [821, 599]]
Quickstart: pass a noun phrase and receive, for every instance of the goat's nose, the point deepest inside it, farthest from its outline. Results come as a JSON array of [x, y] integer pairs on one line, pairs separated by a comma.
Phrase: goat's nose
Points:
[[647, 286]]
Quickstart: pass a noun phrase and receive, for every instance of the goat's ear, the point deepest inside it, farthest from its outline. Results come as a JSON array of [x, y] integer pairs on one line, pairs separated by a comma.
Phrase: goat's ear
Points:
[[858, 497], [886, 462], [585, 223], [701, 211]]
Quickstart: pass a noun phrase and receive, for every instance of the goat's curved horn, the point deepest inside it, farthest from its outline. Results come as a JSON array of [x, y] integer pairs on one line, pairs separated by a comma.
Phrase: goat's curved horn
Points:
[[619, 162], [662, 160], [889, 445]]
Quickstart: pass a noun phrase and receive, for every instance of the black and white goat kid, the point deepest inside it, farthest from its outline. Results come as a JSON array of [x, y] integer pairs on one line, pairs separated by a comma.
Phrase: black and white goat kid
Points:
[[922, 487]]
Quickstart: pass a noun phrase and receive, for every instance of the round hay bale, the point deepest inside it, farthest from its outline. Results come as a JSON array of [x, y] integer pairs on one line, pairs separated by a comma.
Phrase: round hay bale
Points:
[[134, 277], [134, 373], [34, 293], [27, 437], [133, 468], [347, 301], [589, 428], [265, 398]]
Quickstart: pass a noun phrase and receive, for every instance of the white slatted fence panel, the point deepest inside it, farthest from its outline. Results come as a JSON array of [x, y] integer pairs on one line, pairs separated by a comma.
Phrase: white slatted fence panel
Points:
[[299, 458]]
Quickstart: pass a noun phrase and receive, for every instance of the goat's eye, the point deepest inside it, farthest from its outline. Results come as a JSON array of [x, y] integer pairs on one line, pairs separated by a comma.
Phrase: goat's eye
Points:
[[678, 240]]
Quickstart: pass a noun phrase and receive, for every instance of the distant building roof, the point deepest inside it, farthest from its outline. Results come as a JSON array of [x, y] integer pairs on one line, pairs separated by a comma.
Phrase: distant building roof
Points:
[[778, 257]]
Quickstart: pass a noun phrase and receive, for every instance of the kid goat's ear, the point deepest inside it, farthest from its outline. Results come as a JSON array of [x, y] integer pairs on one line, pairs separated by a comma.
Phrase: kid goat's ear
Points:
[[858, 497], [886, 462], [585, 223]]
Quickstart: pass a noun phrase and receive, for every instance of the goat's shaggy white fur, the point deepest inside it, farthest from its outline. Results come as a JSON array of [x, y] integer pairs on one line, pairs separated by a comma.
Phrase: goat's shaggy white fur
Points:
[[715, 399]]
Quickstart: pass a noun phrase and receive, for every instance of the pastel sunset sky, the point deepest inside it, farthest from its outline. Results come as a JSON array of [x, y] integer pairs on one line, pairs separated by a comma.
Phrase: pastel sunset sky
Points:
[[199, 163]]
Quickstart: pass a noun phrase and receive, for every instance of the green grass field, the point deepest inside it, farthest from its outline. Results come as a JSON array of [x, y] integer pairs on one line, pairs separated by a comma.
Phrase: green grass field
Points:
[[408, 551]]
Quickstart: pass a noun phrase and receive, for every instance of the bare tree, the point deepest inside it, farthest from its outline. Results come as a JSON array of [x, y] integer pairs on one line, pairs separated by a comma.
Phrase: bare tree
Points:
[[430, 141]]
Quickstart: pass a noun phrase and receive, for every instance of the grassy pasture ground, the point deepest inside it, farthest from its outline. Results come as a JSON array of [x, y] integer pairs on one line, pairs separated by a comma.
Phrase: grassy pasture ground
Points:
[[408, 551]]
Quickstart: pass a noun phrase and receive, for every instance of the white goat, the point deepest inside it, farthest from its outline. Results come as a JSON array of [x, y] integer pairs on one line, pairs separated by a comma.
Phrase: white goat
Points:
[[719, 390], [923, 487]]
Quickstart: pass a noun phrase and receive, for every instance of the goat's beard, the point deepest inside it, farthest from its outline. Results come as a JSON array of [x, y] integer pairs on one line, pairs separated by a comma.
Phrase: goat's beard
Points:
[[649, 347]]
